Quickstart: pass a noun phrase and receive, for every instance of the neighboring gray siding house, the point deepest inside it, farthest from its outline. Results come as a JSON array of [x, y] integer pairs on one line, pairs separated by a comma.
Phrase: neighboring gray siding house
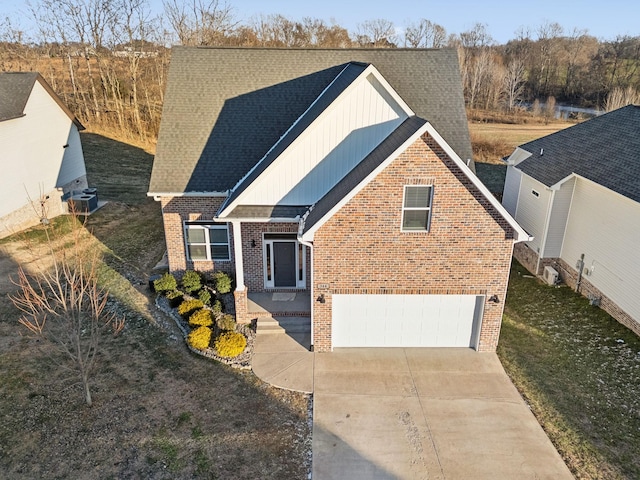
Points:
[[40, 152], [577, 192], [344, 176]]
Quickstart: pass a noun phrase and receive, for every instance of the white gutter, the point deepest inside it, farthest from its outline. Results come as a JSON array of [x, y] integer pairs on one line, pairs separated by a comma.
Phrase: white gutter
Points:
[[157, 195]]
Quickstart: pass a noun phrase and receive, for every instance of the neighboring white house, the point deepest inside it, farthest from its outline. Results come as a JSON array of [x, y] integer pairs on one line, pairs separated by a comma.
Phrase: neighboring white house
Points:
[[577, 192], [40, 152]]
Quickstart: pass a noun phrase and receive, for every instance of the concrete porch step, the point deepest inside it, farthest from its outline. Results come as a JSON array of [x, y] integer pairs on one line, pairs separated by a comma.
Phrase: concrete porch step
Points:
[[271, 325]]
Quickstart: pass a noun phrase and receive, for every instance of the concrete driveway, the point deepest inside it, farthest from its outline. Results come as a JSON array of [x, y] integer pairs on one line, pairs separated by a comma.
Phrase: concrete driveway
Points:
[[424, 414]]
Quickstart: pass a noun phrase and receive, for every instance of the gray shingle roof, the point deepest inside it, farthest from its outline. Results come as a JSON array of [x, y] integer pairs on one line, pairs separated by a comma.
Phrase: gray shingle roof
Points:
[[15, 88], [605, 150], [389, 145], [226, 107], [269, 211], [345, 77]]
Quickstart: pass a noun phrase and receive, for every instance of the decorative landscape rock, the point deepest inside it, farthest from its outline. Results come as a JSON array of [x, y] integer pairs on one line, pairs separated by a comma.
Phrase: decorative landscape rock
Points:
[[242, 361]]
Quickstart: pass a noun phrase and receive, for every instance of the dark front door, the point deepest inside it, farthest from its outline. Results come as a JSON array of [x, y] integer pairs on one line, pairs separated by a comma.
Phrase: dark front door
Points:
[[284, 264]]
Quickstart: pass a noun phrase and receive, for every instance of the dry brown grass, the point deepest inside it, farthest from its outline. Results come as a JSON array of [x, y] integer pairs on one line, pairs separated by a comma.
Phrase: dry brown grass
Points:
[[159, 411], [493, 141]]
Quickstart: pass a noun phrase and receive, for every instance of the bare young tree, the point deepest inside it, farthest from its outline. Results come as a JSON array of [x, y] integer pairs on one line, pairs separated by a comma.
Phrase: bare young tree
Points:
[[377, 33], [200, 22], [513, 83], [620, 97], [549, 111], [65, 305], [425, 34]]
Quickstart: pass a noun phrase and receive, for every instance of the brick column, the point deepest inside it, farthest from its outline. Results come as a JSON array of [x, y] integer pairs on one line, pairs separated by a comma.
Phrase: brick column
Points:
[[242, 315]]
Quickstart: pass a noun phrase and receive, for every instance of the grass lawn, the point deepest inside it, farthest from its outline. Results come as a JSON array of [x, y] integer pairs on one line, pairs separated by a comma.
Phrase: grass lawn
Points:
[[159, 411], [579, 370]]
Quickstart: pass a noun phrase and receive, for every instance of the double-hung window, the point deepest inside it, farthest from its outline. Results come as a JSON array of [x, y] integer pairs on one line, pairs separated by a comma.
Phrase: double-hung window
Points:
[[416, 208], [207, 241]]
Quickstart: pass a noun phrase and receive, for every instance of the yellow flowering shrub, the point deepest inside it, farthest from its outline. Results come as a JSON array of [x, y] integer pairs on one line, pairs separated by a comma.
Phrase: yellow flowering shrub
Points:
[[230, 344], [187, 307], [200, 338], [201, 318]]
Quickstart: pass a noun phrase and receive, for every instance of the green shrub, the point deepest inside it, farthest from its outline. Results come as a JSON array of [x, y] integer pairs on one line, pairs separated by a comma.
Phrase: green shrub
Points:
[[204, 296], [174, 297], [187, 307], [230, 344], [222, 282], [217, 306], [226, 322], [200, 338], [191, 281], [201, 318], [166, 283]]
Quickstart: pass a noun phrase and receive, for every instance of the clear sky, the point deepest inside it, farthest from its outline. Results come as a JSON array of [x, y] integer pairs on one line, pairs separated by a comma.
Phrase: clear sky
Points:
[[604, 19]]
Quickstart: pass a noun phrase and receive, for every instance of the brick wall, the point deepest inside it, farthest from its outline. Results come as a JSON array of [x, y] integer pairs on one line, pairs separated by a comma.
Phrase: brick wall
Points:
[[570, 276], [527, 257], [176, 211], [362, 250], [253, 256]]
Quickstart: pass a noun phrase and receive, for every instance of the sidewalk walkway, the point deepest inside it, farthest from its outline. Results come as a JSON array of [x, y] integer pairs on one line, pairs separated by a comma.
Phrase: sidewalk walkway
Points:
[[284, 360]]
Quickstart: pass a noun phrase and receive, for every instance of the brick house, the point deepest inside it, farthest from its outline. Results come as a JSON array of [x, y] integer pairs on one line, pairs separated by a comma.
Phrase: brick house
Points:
[[338, 174], [577, 192]]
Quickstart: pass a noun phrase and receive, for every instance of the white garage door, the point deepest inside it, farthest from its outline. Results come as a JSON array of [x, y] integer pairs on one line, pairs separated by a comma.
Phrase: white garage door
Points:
[[406, 320]]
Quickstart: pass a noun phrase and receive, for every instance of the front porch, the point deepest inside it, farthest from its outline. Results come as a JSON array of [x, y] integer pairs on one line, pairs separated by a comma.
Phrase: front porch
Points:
[[279, 304], [281, 317]]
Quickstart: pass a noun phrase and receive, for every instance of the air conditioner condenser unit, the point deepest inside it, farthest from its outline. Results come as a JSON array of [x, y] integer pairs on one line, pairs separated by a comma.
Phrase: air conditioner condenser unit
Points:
[[550, 275]]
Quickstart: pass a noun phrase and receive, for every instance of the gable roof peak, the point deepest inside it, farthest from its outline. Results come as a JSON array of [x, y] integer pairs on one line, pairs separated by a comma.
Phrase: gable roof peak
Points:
[[258, 93], [347, 79]]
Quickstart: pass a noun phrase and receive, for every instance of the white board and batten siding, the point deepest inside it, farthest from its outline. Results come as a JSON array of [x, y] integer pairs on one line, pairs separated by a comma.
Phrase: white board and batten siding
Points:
[[531, 208], [324, 154], [406, 320], [605, 227], [511, 190], [34, 159], [558, 219]]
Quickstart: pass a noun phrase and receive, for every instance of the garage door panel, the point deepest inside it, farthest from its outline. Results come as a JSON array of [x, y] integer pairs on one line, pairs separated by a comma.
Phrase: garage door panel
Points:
[[405, 320]]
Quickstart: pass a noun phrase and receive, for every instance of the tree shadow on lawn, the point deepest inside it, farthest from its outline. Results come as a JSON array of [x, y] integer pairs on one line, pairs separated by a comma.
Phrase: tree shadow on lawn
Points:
[[130, 225], [120, 171]]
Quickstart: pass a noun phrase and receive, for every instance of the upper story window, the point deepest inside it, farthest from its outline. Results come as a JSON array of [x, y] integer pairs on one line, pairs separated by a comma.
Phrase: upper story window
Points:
[[207, 241], [416, 208]]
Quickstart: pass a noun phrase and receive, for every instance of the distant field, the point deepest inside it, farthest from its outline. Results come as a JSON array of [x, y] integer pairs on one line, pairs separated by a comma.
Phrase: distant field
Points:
[[509, 136]]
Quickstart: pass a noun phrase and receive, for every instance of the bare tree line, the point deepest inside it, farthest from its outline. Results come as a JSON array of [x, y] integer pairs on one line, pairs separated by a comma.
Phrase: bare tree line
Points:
[[108, 58]]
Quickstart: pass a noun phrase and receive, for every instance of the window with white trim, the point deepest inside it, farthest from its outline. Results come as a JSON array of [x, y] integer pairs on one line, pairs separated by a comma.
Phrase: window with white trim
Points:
[[416, 208], [207, 241]]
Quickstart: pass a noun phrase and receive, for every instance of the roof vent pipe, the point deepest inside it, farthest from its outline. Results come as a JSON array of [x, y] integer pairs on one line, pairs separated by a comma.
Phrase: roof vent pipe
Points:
[[541, 151]]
